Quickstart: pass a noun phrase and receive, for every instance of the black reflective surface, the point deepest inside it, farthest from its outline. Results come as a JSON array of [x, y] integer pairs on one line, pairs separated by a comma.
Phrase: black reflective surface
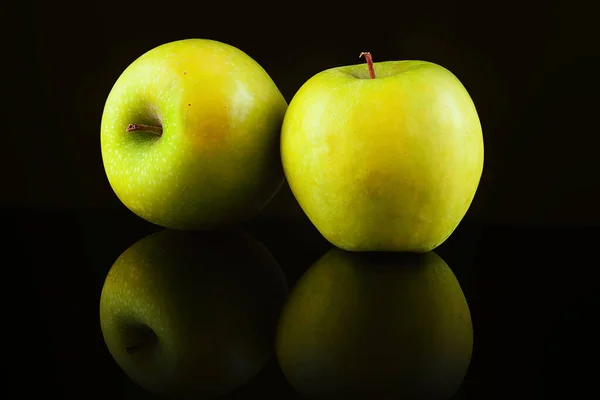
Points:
[[531, 294]]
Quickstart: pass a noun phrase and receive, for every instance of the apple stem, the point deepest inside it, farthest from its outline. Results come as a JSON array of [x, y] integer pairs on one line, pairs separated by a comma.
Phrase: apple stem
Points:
[[157, 130], [369, 59], [135, 347]]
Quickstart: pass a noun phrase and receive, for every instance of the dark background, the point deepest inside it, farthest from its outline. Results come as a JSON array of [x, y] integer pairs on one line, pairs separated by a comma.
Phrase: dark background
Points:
[[524, 253]]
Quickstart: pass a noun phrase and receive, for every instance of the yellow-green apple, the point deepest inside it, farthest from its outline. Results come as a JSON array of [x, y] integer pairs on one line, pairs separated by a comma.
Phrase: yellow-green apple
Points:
[[385, 156], [375, 325], [190, 135], [192, 314]]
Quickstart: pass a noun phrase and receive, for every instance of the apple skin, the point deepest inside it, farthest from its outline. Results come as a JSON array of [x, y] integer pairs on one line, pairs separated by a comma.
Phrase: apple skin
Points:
[[192, 314], [384, 164], [218, 160], [382, 326]]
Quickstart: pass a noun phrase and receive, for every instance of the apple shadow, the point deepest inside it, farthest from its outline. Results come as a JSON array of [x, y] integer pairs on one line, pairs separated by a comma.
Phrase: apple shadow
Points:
[[192, 315]]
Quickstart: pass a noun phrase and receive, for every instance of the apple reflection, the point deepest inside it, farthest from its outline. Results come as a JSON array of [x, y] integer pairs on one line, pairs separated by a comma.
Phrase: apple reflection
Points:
[[376, 326], [192, 314]]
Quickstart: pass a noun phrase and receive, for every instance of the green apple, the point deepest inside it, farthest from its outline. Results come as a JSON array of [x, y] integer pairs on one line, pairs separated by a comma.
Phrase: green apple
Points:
[[389, 163], [190, 135], [192, 314], [374, 325]]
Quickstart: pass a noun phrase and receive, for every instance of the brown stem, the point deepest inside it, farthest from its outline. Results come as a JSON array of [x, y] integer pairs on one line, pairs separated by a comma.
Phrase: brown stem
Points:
[[369, 63], [148, 340], [134, 347], [157, 130]]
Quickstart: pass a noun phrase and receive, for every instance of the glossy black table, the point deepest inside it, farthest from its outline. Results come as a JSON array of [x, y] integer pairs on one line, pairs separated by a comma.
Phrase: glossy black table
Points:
[[532, 292]]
